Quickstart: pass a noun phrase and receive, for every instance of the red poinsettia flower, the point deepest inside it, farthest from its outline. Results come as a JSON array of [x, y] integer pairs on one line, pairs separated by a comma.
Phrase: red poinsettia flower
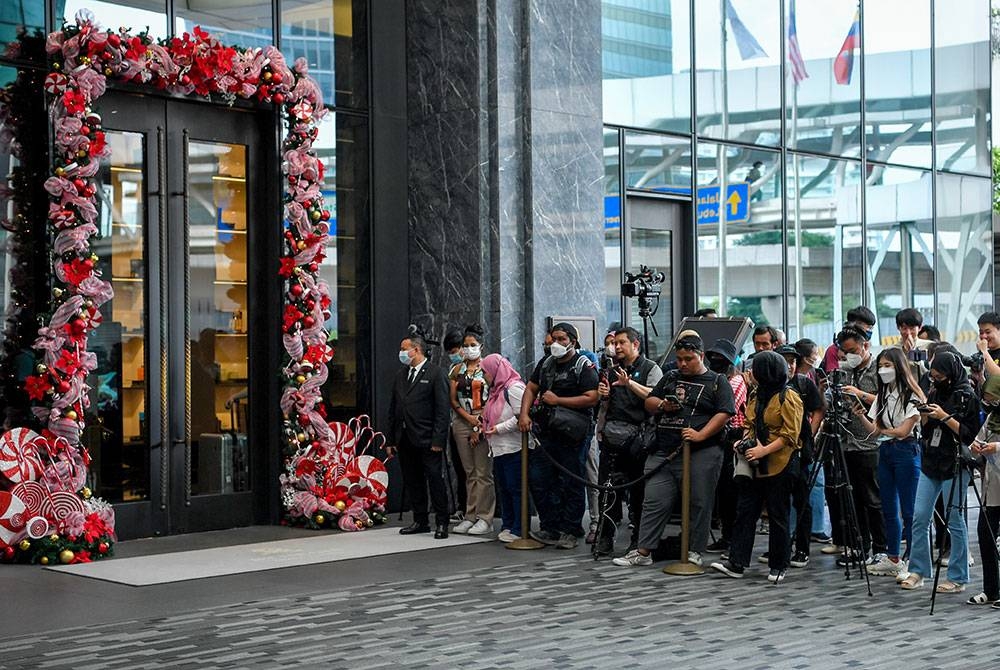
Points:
[[291, 317], [97, 143], [82, 556], [68, 362], [74, 101], [37, 386], [94, 528], [305, 467], [287, 267], [136, 49], [77, 270]]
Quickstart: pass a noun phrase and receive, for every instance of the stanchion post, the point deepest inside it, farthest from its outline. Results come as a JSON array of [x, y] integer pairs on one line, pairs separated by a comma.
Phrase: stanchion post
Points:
[[525, 541], [683, 566]]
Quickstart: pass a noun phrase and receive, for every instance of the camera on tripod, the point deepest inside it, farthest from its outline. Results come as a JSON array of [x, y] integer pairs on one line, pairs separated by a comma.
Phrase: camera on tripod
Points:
[[643, 284], [840, 408]]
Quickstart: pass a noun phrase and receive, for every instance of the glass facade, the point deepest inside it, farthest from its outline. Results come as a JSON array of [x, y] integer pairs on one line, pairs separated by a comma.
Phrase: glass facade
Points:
[[851, 151]]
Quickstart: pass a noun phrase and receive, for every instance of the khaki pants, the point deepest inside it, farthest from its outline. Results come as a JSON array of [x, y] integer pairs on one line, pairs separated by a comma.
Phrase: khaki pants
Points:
[[478, 465]]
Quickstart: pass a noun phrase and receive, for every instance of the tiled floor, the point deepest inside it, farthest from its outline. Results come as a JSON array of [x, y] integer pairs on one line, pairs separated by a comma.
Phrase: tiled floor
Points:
[[484, 607]]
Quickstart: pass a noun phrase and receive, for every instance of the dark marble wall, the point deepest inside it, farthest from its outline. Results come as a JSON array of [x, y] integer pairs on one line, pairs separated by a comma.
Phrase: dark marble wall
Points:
[[504, 150]]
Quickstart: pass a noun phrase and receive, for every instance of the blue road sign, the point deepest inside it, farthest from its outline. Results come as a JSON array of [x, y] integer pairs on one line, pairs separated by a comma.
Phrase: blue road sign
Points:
[[612, 212], [737, 204]]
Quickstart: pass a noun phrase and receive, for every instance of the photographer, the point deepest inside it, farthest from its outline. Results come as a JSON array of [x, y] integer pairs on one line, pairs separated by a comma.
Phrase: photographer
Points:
[[623, 392], [559, 398], [950, 419], [987, 449], [774, 424], [893, 417], [989, 342], [859, 445], [690, 403]]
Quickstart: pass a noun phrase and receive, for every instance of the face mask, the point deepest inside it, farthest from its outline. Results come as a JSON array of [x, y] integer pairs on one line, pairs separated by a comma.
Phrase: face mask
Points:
[[888, 375], [610, 350], [559, 350], [851, 361], [812, 365], [718, 365], [404, 356], [941, 384], [471, 353], [455, 358]]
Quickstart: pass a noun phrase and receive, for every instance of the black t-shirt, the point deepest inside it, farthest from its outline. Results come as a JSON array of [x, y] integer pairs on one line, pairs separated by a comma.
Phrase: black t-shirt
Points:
[[995, 355], [701, 398], [812, 401], [561, 378]]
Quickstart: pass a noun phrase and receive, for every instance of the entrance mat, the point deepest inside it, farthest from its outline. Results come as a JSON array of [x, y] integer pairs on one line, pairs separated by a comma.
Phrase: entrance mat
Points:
[[202, 563]]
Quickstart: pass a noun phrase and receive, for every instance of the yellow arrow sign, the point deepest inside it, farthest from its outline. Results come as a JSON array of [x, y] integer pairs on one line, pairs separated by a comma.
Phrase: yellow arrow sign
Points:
[[733, 201]]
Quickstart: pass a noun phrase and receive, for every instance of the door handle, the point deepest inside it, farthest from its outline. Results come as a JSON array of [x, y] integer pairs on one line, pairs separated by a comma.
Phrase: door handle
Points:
[[187, 317], [161, 188]]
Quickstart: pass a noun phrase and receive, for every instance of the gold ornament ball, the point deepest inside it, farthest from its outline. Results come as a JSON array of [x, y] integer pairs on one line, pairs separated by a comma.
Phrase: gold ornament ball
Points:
[[94, 257], [40, 369], [360, 524], [66, 556], [53, 537], [301, 437], [108, 72], [57, 292], [320, 519], [24, 545], [81, 154], [369, 523], [340, 505], [86, 493], [71, 415], [44, 560], [316, 215], [301, 245], [60, 172], [300, 379], [267, 76]]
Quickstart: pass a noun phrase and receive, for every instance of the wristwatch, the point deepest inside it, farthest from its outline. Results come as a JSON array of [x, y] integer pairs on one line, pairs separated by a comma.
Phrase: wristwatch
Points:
[[476, 429]]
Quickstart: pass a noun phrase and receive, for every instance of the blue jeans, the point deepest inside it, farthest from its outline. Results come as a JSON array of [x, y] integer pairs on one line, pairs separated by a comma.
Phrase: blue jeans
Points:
[[558, 497], [818, 503], [898, 474], [920, 555], [507, 473]]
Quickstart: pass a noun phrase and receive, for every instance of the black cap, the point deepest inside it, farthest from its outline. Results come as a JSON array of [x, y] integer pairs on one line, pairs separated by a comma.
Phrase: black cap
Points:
[[690, 342], [724, 348], [787, 350], [567, 328]]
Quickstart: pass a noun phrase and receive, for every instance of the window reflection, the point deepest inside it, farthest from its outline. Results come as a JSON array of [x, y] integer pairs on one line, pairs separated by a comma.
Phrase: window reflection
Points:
[[822, 115], [898, 81], [646, 63], [740, 246], [739, 73], [138, 15], [965, 258], [962, 85], [900, 246], [246, 23], [18, 14], [658, 162], [825, 245]]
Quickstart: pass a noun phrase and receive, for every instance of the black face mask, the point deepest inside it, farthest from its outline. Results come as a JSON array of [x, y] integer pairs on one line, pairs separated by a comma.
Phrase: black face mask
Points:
[[718, 365]]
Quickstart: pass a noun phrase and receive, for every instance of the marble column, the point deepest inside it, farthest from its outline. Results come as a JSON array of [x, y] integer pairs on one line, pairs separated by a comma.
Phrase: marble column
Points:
[[504, 150]]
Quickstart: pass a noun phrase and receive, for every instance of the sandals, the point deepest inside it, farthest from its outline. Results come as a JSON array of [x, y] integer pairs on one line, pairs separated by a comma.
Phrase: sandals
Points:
[[981, 599], [912, 581], [949, 586]]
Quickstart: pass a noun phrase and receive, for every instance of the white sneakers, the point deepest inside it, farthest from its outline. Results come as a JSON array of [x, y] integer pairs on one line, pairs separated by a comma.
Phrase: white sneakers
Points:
[[882, 566], [632, 559], [463, 527], [507, 536], [480, 528]]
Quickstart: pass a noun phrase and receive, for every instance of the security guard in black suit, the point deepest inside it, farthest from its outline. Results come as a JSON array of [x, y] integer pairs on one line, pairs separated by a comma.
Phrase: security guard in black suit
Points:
[[419, 414]]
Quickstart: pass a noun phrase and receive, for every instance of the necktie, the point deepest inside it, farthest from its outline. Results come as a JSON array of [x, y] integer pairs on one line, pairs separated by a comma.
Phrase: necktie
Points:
[[413, 374]]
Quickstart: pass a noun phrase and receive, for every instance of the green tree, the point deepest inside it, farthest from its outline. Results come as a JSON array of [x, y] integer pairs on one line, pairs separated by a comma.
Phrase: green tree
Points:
[[809, 239]]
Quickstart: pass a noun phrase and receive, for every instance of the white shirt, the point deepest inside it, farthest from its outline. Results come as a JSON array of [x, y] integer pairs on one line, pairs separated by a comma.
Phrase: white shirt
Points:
[[895, 412], [415, 369], [507, 439]]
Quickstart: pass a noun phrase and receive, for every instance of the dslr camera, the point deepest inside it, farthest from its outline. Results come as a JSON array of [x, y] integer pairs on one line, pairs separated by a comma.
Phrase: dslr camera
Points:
[[743, 446]]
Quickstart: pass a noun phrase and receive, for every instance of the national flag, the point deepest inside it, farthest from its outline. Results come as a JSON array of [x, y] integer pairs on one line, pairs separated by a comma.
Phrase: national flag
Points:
[[794, 55], [843, 64], [745, 41]]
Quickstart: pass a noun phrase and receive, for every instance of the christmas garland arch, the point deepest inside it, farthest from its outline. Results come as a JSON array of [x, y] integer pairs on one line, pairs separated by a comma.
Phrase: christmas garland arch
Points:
[[325, 471]]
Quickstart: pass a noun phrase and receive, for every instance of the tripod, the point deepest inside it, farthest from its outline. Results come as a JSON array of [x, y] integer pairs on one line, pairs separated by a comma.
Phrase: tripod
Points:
[[840, 482], [646, 312], [956, 491]]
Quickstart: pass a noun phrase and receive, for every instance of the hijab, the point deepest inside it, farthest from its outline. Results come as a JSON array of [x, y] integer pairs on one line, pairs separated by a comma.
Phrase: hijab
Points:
[[956, 378], [503, 376], [770, 371]]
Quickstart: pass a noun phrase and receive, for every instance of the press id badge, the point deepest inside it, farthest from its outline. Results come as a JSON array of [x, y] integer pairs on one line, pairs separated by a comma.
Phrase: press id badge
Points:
[[936, 438]]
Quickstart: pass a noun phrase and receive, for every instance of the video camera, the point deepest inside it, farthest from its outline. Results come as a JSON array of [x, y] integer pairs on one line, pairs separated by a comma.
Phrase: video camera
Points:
[[840, 407], [643, 284]]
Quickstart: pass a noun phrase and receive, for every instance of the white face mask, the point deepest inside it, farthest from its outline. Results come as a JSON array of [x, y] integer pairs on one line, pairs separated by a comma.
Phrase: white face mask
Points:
[[404, 356], [472, 353], [888, 375], [559, 350], [610, 350], [851, 361]]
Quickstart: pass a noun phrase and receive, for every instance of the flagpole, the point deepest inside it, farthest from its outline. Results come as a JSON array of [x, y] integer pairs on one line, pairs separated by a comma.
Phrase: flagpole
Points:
[[799, 299], [721, 166]]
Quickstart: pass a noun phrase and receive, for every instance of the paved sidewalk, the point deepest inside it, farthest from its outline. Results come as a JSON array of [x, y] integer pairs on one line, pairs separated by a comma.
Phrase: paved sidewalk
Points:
[[485, 607]]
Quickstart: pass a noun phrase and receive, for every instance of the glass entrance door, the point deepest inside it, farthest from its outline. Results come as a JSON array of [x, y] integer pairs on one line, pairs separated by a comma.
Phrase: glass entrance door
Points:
[[174, 446]]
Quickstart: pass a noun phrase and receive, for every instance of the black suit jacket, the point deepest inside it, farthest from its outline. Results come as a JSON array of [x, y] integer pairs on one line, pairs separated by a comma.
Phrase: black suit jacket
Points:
[[421, 410]]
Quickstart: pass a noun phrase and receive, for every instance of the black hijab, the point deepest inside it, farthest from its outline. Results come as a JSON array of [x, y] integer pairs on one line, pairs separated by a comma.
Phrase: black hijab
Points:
[[956, 386], [770, 371]]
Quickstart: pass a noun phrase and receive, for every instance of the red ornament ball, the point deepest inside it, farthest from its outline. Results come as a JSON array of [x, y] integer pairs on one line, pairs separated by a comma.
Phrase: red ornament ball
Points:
[[308, 322], [279, 99], [8, 553], [276, 78], [296, 290], [102, 548], [303, 419]]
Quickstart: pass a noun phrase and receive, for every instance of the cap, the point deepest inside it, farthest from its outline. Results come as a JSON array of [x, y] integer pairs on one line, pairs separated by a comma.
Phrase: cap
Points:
[[787, 350], [567, 328], [724, 348]]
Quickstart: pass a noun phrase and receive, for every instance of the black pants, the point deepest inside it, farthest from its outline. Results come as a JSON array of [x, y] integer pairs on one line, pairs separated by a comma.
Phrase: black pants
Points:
[[775, 493], [862, 469], [624, 468], [726, 494], [989, 523], [423, 469], [803, 508]]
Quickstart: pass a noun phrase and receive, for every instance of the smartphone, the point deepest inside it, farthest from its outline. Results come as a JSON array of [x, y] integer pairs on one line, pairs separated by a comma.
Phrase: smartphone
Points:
[[672, 398], [923, 409]]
